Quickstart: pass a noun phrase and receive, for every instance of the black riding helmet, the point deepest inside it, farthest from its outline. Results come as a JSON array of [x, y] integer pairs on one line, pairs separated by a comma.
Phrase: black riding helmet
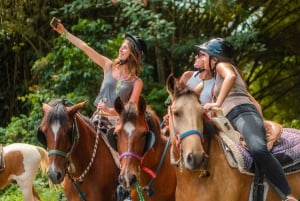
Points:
[[139, 43], [217, 47]]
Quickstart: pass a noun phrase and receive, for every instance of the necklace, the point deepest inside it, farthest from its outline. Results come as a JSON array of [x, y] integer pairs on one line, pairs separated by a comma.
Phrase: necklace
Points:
[[119, 81]]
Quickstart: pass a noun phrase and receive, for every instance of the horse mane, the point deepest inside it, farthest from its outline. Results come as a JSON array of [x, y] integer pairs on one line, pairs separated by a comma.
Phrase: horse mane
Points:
[[210, 129], [153, 120], [129, 113], [57, 112], [183, 89], [87, 120]]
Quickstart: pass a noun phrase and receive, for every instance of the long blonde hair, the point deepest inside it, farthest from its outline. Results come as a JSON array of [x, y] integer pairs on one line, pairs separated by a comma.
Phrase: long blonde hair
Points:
[[134, 59]]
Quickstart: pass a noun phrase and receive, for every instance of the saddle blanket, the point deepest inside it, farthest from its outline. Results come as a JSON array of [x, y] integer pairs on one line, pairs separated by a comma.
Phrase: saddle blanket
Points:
[[287, 152]]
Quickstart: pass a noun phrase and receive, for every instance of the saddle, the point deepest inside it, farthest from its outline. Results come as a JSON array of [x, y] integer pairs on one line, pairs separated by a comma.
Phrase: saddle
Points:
[[273, 133], [101, 121], [273, 130], [2, 161]]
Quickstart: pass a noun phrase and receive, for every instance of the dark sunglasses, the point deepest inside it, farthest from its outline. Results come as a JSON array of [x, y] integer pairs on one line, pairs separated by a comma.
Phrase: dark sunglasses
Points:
[[200, 54]]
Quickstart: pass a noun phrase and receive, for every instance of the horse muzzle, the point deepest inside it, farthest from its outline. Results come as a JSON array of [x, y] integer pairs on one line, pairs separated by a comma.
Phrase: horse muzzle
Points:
[[194, 160], [56, 175]]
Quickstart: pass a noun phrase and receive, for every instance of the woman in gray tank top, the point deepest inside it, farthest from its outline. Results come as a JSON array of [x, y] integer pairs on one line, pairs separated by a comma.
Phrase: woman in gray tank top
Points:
[[120, 75], [230, 93]]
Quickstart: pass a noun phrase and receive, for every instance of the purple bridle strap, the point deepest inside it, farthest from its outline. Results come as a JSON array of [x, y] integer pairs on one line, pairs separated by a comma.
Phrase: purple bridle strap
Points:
[[130, 154]]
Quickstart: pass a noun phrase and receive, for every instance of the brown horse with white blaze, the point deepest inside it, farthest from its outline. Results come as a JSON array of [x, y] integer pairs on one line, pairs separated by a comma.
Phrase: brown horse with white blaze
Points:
[[144, 153], [203, 173], [22, 162], [78, 156]]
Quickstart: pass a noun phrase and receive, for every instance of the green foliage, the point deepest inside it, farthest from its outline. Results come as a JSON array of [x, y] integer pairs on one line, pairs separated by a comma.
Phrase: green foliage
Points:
[[156, 98], [37, 65], [45, 190]]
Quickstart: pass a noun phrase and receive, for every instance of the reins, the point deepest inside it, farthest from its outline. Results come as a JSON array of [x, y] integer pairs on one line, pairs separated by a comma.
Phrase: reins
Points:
[[75, 139], [152, 173]]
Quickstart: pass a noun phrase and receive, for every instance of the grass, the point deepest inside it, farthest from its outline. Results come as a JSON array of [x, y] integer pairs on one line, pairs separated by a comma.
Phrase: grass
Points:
[[46, 191]]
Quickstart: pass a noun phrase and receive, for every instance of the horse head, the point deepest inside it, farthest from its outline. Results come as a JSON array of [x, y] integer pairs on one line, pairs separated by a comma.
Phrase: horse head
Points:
[[186, 124], [134, 139], [59, 133]]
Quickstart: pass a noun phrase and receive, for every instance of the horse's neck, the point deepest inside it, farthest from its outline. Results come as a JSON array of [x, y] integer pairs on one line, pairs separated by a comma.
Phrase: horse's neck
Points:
[[218, 166], [85, 144]]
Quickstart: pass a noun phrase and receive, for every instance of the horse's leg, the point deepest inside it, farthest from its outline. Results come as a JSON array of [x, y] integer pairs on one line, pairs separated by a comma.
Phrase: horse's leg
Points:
[[25, 181], [26, 188], [35, 195]]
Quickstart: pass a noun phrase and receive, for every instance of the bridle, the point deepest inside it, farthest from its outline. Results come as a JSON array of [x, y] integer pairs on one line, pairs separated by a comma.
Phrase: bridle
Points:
[[178, 138], [75, 140], [148, 146], [140, 158]]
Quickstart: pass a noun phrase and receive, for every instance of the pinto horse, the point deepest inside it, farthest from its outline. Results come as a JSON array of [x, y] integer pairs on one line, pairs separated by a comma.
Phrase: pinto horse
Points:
[[203, 173], [22, 162], [78, 156], [144, 153]]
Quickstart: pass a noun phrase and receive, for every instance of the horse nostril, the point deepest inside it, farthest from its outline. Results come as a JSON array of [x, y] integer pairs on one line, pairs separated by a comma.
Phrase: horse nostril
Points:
[[190, 158], [132, 179], [121, 179], [58, 176], [55, 176]]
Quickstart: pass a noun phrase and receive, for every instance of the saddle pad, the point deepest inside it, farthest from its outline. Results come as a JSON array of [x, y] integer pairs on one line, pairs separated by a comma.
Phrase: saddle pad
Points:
[[287, 152]]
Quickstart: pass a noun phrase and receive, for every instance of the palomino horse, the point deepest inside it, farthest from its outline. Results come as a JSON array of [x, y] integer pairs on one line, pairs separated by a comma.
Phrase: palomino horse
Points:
[[144, 153], [22, 162], [77, 154], [203, 173]]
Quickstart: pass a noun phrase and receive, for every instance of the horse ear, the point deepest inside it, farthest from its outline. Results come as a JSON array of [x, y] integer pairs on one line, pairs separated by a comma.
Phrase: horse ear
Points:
[[73, 109], [119, 106], [171, 83], [142, 105], [198, 89], [46, 107]]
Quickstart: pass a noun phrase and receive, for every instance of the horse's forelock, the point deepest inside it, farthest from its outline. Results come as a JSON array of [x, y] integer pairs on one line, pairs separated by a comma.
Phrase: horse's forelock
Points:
[[57, 113], [129, 113], [182, 89]]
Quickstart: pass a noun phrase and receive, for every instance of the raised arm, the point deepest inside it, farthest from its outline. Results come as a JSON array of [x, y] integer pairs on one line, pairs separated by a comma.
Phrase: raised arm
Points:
[[102, 61]]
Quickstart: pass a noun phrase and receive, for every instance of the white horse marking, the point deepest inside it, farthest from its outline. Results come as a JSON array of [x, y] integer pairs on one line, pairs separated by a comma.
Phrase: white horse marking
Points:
[[129, 128], [55, 127]]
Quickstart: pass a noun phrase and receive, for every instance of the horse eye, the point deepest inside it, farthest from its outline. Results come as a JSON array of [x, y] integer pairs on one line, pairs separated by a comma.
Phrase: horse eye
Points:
[[175, 113]]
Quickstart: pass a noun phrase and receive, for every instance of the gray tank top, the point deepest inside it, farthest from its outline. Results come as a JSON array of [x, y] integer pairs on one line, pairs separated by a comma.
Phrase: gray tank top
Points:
[[237, 95], [108, 90], [206, 94]]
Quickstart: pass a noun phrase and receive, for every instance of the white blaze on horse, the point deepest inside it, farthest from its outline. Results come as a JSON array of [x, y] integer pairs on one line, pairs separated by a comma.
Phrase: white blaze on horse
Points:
[[206, 170], [21, 164]]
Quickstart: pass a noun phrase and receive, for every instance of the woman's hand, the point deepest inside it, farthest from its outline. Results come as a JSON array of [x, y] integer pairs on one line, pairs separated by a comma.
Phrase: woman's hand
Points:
[[59, 28], [209, 106], [103, 107]]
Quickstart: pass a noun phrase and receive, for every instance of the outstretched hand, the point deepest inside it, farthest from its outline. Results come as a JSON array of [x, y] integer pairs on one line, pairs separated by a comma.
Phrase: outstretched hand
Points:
[[59, 28]]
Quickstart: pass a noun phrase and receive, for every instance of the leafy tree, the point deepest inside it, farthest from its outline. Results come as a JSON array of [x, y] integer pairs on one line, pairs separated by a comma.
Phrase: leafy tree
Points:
[[46, 66]]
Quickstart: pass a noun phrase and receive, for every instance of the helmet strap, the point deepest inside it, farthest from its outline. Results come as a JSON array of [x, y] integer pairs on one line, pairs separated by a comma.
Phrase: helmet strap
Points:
[[212, 69]]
